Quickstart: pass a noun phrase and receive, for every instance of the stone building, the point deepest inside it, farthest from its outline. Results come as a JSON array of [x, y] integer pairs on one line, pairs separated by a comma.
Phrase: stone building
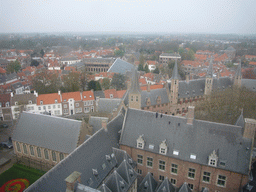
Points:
[[42, 141], [185, 150]]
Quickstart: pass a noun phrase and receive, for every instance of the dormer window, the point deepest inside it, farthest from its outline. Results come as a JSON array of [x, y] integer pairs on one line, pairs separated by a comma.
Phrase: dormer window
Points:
[[140, 142], [29, 102], [213, 159], [163, 148], [175, 152], [192, 156], [7, 104], [16, 103], [56, 101], [111, 96], [41, 102], [84, 97]]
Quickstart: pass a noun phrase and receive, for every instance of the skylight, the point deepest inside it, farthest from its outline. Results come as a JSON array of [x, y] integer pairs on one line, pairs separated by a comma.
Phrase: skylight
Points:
[[175, 152]]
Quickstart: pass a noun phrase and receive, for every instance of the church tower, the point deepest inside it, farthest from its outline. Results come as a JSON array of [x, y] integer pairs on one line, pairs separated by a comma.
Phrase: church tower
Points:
[[238, 76], [173, 95], [209, 80], [135, 92]]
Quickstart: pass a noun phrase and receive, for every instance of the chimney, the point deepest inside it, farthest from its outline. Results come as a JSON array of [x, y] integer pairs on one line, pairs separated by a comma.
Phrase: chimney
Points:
[[249, 128], [148, 87], [190, 115], [71, 181], [104, 124], [59, 92], [11, 94], [35, 93], [187, 78]]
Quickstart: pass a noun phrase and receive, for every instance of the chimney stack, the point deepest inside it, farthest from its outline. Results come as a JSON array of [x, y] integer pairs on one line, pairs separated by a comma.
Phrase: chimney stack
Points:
[[148, 87], [190, 115], [71, 181], [187, 78], [249, 128], [104, 124]]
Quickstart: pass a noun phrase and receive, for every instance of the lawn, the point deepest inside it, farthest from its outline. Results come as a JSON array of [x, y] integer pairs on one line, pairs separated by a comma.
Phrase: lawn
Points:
[[20, 171]]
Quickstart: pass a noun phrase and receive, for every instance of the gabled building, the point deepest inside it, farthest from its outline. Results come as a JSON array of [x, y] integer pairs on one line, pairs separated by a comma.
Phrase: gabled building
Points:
[[42, 141], [199, 153], [5, 107]]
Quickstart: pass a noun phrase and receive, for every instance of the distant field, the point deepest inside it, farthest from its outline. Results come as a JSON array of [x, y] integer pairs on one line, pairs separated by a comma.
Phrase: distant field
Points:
[[20, 172]]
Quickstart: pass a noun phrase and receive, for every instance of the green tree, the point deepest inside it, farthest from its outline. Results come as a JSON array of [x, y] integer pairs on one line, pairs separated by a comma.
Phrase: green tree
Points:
[[95, 85], [140, 67], [105, 83], [118, 81], [191, 55], [146, 69], [119, 53], [34, 63], [71, 82], [156, 71], [13, 67], [83, 79], [142, 60]]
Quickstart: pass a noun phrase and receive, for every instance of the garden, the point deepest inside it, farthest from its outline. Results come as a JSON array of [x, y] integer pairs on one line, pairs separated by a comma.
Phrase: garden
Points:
[[18, 178]]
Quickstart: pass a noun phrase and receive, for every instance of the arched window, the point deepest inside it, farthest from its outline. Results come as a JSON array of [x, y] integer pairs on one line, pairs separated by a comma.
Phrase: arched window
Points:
[[54, 156], [25, 148], [61, 156], [46, 155], [18, 147], [32, 150], [39, 152]]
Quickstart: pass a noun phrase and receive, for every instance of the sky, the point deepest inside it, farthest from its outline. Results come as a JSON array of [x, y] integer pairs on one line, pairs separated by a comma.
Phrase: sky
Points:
[[150, 16]]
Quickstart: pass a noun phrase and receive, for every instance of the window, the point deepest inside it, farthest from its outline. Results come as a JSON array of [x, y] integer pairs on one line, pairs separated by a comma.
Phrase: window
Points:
[[151, 146], [46, 155], [85, 103], [175, 152], [213, 162], [173, 181], [41, 102], [162, 150], [32, 150], [191, 173], [58, 106], [61, 156], [38, 152], [174, 168], [16, 103], [162, 165], [18, 147], [140, 159], [140, 142], [77, 104], [139, 145], [161, 177], [111, 95], [29, 102], [7, 104], [137, 99], [92, 108], [44, 107], [131, 98], [25, 149], [54, 106], [192, 156], [149, 161], [206, 177], [139, 171], [49, 107], [56, 101], [57, 112], [65, 106], [54, 156], [222, 163], [221, 180], [191, 186]]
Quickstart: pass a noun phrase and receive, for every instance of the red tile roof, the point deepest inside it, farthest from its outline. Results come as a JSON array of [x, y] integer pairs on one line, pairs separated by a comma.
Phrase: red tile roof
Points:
[[120, 93], [74, 95], [252, 63], [110, 91], [142, 81], [2, 70], [250, 56], [143, 88], [87, 95], [5, 98], [48, 98], [191, 63]]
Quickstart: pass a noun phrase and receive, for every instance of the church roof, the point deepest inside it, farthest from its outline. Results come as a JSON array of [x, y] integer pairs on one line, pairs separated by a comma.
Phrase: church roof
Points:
[[135, 87], [210, 69], [148, 184], [166, 186], [175, 73], [121, 66]]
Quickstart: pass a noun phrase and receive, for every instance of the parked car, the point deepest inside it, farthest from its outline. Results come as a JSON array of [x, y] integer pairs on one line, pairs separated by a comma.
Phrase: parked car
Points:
[[4, 126], [6, 144]]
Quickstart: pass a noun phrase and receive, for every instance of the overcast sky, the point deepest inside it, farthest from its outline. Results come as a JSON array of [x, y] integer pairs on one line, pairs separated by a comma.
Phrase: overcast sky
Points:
[[174, 16]]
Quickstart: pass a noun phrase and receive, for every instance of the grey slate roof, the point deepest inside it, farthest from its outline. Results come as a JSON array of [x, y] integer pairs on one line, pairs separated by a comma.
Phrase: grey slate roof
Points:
[[153, 94], [205, 190], [104, 188], [175, 74], [148, 184], [55, 133], [116, 183], [184, 188], [90, 155], [17, 85], [99, 94], [166, 186], [121, 155], [95, 122], [249, 84], [108, 105], [135, 87], [121, 66], [200, 139]]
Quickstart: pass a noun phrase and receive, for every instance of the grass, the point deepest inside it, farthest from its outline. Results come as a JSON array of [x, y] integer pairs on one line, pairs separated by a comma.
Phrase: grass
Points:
[[20, 171]]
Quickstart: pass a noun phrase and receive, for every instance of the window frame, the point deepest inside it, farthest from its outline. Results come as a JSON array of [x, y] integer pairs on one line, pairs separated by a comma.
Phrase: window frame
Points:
[[18, 147], [191, 173], [25, 150], [46, 152], [219, 179], [140, 159], [150, 161], [174, 169], [39, 149], [206, 177], [161, 165], [31, 150], [54, 156]]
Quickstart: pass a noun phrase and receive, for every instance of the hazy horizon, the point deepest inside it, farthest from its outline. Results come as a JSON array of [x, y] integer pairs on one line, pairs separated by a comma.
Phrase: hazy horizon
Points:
[[123, 16]]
